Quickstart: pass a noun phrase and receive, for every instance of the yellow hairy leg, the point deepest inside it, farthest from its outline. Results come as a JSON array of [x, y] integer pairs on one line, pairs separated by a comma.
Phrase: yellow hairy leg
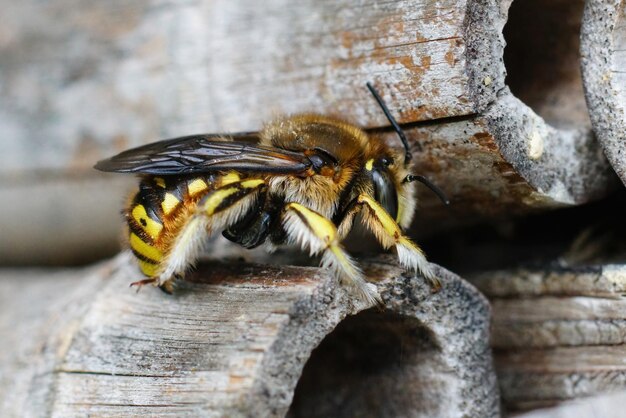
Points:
[[389, 234], [311, 230], [218, 210]]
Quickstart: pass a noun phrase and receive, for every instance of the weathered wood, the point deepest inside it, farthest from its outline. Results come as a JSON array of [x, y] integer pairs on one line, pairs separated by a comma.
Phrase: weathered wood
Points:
[[557, 334], [220, 66], [234, 340], [84, 81], [606, 406], [603, 48], [61, 220], [507, 161]]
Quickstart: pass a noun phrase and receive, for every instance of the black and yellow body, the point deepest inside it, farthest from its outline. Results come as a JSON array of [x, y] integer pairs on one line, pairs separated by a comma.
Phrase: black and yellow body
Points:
[[158, 211], [300, 181]]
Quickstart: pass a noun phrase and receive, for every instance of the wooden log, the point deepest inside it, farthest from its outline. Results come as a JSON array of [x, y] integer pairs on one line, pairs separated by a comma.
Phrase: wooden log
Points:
[[84, 81], [557, 333], [234, 340], [603, 49]]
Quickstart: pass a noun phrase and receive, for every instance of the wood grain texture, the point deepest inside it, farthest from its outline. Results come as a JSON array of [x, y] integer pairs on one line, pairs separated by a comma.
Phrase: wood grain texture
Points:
[[120, 74], [557, 333], [603, 46], [507, 161], [234, 340]]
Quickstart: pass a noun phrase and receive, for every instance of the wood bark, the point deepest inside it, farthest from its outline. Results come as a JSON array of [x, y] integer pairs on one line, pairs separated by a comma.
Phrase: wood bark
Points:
[[557, 333], [234, 340], [82, 81], [603, 50]]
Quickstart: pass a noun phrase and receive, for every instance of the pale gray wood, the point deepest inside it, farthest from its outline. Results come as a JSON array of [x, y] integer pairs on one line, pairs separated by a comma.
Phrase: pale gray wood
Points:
[[603, 48], [507, 161], [606, 406], [62, 219], [119, 74], [233, 341], [558, 333]]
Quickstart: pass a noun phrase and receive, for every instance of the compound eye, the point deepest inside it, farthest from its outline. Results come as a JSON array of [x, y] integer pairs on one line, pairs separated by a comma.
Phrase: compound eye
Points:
[[321, 158], [386, 161], [385, 191]]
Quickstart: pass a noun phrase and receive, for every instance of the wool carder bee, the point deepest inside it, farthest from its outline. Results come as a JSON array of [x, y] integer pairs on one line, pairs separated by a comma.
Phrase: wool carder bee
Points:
[[301, 180]]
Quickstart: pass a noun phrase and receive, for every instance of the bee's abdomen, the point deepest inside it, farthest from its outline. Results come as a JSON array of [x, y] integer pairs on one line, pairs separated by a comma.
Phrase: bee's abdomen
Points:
[[153, 216]]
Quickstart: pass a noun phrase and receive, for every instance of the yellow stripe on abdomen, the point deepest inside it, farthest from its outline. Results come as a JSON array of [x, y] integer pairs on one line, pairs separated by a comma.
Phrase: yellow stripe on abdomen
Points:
[[196, 186], [160, 181], [169, 203], [229, 178], [217, 200], [252, 183], [144, 249], [147, 268], [149, 225], [213, 200]]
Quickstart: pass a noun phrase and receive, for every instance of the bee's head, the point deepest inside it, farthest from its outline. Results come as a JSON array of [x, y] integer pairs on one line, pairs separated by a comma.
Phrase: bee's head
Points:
[[392, 188]]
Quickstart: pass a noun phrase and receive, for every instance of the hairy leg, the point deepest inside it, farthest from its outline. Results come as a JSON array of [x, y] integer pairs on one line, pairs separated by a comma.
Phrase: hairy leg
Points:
[[314, 232], [389, 234]]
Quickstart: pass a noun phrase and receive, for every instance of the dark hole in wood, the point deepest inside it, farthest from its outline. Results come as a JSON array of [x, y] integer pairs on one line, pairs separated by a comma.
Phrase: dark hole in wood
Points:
[[542, 59], [581, 236], [373, 364]]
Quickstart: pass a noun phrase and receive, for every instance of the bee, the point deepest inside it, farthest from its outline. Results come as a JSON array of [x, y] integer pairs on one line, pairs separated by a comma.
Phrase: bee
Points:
[[301, 180]]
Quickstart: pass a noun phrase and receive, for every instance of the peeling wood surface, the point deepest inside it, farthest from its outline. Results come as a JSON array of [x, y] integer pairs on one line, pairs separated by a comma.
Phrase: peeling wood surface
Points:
[[558, 333], [233, 341]]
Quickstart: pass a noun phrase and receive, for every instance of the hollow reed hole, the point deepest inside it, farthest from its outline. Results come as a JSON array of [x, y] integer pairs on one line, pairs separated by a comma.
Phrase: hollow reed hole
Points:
[[373, 364], [542, 59]]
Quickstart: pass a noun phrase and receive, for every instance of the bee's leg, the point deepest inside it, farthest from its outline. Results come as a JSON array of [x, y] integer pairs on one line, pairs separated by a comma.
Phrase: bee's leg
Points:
[[389, 234], [219, 209], [170, 285], [167, 286], [255, 227], [311, 230], [140, 283]]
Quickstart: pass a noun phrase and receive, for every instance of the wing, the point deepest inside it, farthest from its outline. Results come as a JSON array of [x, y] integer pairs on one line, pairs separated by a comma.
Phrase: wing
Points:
[[206, 153]]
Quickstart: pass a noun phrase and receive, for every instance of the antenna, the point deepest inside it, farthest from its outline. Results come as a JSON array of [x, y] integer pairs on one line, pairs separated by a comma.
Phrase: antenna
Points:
[[426, 182], [396, 127]]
